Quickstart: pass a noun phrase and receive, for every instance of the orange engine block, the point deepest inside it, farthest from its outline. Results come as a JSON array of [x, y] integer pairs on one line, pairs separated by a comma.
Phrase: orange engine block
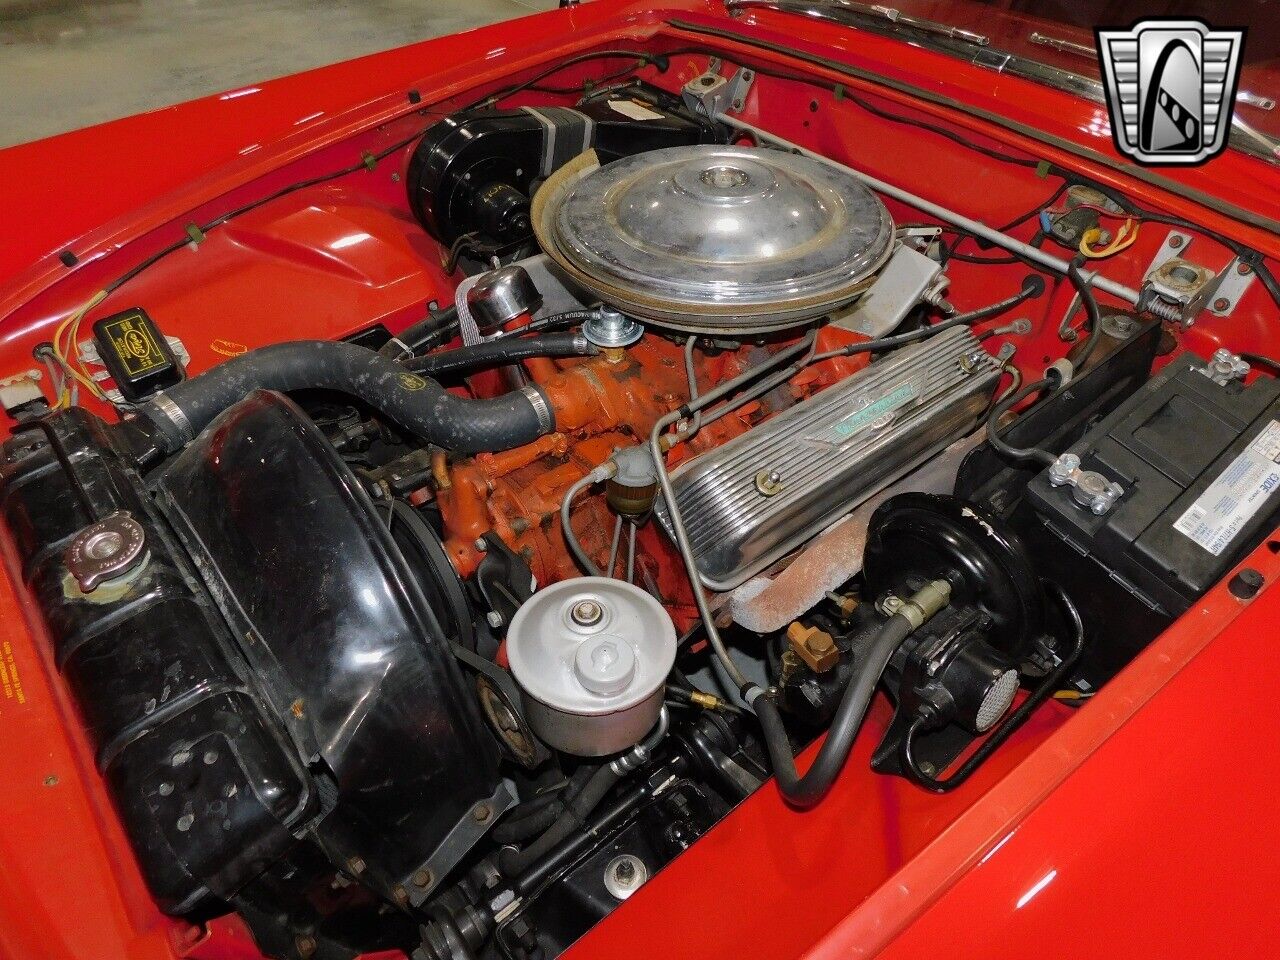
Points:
[[601, 404]]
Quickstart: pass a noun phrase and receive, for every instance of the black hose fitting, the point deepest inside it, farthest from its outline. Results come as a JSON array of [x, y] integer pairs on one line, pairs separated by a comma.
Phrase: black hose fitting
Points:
[[417, 405]]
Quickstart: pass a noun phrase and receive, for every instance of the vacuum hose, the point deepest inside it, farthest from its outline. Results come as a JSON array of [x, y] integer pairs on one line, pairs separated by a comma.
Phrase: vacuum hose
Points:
[[805, 791], [416, 404], [497, 353]]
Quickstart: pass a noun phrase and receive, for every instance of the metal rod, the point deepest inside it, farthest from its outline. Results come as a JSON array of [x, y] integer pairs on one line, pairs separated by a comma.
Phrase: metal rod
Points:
[[1002, 240]]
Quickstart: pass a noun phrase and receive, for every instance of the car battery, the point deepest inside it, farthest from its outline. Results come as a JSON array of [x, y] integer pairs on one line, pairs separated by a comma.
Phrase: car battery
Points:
[[1162, 497]]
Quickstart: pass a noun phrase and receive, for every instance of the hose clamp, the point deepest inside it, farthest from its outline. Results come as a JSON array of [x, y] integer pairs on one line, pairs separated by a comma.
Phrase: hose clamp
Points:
[[537, 400], [174, 414]]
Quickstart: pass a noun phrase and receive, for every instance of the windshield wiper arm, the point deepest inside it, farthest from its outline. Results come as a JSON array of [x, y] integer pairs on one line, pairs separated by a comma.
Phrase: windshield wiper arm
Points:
[[1063, 45], [876, 12]]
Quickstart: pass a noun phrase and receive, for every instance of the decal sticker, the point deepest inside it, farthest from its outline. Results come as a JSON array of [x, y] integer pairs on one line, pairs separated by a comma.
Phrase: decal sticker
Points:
[[410, 381], [228, 348], [878, 413], [1236, 495], [10, 679], [132, 341]]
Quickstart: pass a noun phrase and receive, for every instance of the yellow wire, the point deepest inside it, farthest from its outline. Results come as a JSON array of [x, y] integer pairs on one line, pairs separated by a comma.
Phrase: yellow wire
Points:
[[1125, 238], [70, 329]]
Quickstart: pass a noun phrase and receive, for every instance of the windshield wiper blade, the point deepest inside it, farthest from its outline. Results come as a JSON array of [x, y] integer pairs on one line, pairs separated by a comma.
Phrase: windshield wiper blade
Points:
[[926, 26], [876, 12]]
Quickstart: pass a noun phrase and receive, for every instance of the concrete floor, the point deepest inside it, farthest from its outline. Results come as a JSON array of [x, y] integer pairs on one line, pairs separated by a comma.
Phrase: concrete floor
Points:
[[66, 64]]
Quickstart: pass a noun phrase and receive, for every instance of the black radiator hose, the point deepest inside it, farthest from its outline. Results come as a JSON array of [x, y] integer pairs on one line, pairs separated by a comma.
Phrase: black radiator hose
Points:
[[416, 404], [500, 352]]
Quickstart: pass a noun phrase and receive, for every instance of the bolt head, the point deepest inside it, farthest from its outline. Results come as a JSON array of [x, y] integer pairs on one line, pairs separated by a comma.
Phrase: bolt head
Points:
[[494, 619], [1221, 303], [587, 612]]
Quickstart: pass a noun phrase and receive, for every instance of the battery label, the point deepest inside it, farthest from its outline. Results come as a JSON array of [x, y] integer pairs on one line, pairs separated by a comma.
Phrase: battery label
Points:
[[133, 342], [1236, 495]]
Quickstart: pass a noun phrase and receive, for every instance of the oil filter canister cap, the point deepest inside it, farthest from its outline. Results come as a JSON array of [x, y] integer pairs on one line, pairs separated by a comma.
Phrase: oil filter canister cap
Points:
[[591, 656]]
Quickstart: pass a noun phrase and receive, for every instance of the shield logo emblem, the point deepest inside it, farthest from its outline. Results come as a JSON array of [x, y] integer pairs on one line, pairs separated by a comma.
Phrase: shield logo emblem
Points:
[[1171, 89]]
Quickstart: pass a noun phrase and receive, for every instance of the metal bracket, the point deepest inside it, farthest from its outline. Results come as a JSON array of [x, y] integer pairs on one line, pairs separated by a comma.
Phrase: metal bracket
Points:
[[1233, 283], [466, 832], [710, 93], [1186, 288], [907, 278]]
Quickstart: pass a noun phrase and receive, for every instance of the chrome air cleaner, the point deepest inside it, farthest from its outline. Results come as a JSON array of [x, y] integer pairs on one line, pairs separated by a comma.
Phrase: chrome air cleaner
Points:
[[711, 239]]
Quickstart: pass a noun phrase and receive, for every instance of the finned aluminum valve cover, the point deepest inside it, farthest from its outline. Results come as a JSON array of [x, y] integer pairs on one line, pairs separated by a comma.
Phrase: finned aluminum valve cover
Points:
[[751, 501], [718, 239]]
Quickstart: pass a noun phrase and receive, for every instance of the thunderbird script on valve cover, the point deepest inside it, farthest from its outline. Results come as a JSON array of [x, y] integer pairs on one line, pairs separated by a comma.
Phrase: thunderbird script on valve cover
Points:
[[638, 472]]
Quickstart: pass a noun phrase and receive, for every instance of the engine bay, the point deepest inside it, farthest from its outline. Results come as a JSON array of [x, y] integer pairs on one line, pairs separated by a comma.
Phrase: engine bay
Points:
[[580, 460]]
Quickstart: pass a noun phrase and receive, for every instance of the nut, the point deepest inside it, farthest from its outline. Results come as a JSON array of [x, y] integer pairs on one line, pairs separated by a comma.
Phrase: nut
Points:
[[587, 612], [422, 878], [769, 483], [815, 647]]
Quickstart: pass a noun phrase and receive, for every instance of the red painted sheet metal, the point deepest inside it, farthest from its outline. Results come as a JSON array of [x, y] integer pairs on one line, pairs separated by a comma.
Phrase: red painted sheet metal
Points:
[[1149, 810], [1233, 177], [1162, 842], [850, 876]]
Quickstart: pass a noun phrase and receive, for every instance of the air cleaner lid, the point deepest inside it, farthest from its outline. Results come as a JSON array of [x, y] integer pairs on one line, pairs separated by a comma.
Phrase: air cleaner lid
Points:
[[686, 233]]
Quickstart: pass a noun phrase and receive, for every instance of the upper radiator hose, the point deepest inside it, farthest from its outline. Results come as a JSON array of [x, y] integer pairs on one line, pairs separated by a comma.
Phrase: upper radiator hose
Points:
[[416, 404]]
